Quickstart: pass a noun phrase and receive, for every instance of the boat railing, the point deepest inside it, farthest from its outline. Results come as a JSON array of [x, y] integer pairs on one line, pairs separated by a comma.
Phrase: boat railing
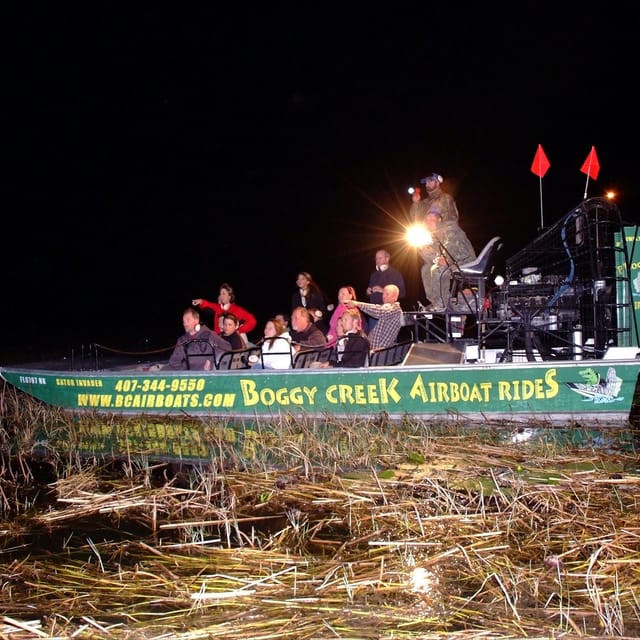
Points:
[[305, 358], [238, 358], [198, 351], [98, 356], [389, 356]]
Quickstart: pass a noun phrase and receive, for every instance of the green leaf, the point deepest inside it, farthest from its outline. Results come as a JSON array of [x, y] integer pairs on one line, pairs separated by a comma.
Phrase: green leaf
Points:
[[415, 457]]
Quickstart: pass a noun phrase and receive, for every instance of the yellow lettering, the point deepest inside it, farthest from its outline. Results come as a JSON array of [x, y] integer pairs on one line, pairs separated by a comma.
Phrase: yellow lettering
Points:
[[282, 396], [249, 394], [297, 396], [483, 392], [360, 394], [389, 392], [504, 390], [552, 384], [418, 390], [450, 391], [514, 390], [310, 392]]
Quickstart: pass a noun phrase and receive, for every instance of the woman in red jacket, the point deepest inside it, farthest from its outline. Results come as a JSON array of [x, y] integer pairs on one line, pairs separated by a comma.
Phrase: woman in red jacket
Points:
[[226, 304]]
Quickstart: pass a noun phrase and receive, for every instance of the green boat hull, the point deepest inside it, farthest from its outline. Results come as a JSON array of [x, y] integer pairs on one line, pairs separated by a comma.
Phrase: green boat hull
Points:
[[517, 391], [184, 416]]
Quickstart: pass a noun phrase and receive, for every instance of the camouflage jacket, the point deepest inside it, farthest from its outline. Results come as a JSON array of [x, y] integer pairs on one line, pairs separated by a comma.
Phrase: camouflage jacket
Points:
[[436, 198], [451, 242]]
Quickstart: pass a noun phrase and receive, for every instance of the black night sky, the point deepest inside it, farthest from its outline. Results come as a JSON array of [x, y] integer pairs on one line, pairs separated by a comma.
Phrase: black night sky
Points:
[[151, 154]]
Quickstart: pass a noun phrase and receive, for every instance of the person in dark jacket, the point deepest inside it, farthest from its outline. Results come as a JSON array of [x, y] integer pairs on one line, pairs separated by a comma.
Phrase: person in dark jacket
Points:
[[353, 347], [380, 277], [230, 331], [304, 333], [310, 296]]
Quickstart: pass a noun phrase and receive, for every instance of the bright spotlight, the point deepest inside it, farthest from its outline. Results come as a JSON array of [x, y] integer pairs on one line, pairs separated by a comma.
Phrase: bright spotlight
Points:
[[417, 236]]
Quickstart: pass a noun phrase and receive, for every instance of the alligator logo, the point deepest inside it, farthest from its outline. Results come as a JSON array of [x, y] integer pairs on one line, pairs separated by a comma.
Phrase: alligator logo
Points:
[[596, 389]]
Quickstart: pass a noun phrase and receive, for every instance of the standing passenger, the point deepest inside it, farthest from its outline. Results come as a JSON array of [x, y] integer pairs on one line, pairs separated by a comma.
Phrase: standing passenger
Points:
[[382, 275], [227, 303], [388, 314], [310, 296], [435, 196]]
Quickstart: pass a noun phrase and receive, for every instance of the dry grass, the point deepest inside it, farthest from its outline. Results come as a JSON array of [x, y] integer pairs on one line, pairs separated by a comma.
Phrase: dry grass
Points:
[[360, 530]]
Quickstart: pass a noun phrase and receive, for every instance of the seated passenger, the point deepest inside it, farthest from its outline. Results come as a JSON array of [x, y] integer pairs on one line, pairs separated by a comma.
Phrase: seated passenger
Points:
[[389, 315], [304, 333], [353, 346], [198, 349], [277, 350], [450, 249], [344, 293], [230, 327], [285, 319]]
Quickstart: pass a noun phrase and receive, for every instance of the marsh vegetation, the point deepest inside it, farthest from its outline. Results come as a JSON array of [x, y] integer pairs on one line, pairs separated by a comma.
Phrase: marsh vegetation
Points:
[[353, 530]]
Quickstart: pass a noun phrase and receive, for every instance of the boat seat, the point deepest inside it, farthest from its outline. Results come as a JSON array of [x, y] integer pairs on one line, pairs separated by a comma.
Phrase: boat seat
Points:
[[205, 350], [304, 359], [474, 276], [389, 356], [238, 358]]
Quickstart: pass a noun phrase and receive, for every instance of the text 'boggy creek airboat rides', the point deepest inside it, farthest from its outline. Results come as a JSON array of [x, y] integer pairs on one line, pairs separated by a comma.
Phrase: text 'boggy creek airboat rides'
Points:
[[556, 342]]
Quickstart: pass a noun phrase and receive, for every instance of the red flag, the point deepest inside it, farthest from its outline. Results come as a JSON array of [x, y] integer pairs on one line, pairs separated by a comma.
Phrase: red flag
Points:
[[540, 164], [591, 165]]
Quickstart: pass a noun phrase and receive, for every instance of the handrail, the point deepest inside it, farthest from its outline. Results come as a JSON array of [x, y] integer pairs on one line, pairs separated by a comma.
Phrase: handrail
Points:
[[206, 353], [98, 353], [97, 345], [237, 358], [304, 358], [389, 356]]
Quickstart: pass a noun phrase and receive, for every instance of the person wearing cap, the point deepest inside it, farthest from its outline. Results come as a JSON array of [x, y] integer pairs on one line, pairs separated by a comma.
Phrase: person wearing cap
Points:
[[450, 247], [436, 196]]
